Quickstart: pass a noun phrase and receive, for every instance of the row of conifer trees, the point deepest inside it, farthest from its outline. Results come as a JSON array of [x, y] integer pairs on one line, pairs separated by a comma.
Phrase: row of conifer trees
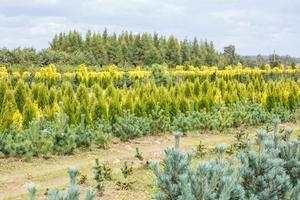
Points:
[[24, 100]]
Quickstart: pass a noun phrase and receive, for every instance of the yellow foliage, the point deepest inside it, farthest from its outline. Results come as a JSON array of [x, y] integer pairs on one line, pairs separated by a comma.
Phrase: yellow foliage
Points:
[[48, 74], [3, 72], [25, 75], [17, 120], [55, 108]]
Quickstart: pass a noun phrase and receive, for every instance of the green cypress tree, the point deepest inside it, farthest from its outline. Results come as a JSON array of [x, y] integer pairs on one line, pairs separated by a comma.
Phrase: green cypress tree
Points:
[[3, 88], [197, 88], [292, 102], [70, 103], [84, 134], [21, 93], [173, 107], [183, 105], [9, 107], [100, 109], [42, 98], [52, 96], [84, 103], [30, 112], [114, 109]]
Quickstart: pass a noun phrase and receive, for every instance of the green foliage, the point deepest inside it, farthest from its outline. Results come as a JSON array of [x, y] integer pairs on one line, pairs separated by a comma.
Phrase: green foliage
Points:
[[107, 171], [263, 175], [82, 178], [14, 144], [240, 143], [159, 122], [9, 107], [99, 103], [158, 74], [127, 49], [40, 137], [99, 177], [84, 102], [215, 179], [257, 114], [129, 126], [21, 93], [181, 123], [201, 150], [283, 114], [84, 135], [169, 181], [42, 96], [126, 169], [64, 138], [29, 112], [103, 134], [272, 172], [138, 154]]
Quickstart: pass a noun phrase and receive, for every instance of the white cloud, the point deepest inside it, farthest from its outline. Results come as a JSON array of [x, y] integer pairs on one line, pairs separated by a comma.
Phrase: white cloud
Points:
[[30, 2], [253, 26]]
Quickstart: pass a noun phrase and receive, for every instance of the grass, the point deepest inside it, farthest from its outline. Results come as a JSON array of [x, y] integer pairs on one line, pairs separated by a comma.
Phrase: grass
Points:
[[16, 174]]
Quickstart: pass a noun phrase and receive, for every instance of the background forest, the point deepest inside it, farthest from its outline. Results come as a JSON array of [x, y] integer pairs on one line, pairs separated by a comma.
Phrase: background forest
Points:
[[128, 50]]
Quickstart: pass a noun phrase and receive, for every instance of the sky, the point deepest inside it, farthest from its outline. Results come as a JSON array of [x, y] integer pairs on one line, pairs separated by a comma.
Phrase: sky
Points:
[[253, 26]]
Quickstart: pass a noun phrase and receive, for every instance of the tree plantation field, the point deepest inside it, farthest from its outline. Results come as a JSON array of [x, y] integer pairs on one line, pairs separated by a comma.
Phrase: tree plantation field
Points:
[[108, 133], [46, 113], [133, 100], [15, 174]]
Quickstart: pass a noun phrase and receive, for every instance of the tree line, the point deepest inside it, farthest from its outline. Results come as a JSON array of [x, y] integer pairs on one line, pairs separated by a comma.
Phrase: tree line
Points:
[[131, 50]]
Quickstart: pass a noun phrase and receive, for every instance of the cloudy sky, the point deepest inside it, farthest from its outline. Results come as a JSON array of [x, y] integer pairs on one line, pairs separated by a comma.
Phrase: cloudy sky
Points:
[[254, 26]]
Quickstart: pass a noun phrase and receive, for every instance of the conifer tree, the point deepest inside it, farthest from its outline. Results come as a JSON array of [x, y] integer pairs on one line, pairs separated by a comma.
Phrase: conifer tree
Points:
[[197, 88], [42, 97], [84, 103], [63, 136], [263, 175], [84, 134], [100, 110], [129, 126], [215, 179], [9, 107], [114, 109], [185, 53], [70, 104], [3, 88], [159, 122], [21, 93], [30, 112], [52, 96], [173, 56], [17, 120], [171, 179]]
